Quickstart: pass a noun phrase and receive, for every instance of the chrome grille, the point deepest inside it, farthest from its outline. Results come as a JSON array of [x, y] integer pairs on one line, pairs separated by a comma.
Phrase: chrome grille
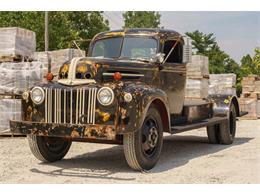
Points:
[[68, 106]]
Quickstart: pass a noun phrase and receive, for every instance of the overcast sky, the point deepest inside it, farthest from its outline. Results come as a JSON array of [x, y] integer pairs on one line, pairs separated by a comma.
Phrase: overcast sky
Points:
[[237, 33]]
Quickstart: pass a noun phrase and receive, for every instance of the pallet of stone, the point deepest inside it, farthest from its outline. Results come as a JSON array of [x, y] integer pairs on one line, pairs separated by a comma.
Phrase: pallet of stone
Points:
[[222, 84], [257, 86], [250, 83], [196, 88], [16, 44], [57, 58], [251, 106], [18, 77], [10, 109], [198, 68]]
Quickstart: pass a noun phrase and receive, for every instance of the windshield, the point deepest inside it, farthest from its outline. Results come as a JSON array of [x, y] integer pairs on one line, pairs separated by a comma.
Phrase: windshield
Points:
[[126, 48]]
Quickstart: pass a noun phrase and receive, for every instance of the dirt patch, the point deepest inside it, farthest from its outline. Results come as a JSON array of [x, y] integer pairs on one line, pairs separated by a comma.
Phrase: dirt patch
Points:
[[186, 158]]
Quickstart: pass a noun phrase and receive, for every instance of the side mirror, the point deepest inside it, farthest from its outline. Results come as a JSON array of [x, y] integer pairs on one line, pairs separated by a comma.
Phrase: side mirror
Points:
[[158, 58], [187, 52]]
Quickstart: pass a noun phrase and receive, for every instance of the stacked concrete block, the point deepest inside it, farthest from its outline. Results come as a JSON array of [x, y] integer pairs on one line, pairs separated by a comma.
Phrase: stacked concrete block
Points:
[[10, 109], [222, 84], [197, 83], [20, 76], [199, 67], [16, 44], [250, 98], [196, 88], [57, 58]]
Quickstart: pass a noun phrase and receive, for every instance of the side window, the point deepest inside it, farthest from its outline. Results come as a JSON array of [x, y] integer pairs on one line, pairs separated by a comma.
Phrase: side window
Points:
[[176, 55]]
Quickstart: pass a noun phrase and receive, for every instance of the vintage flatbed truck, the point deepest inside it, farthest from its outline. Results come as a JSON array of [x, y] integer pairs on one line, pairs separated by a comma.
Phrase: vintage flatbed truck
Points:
[[129, 90]]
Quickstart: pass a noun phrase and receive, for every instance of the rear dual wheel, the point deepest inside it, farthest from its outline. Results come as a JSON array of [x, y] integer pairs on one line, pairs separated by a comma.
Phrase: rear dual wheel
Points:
[[223, 133], [142, 148]]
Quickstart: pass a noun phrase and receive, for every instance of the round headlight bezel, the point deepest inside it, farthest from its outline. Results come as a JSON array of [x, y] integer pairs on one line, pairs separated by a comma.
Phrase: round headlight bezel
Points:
[[32, 95], [111, 93]]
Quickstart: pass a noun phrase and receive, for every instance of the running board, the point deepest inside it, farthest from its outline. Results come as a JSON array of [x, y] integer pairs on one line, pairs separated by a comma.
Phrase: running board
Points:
[[203, 123]]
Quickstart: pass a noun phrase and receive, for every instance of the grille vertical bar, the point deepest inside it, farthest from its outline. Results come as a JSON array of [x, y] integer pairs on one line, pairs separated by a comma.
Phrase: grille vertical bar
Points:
[[46, 105], [71, 100], [64, 105], [94, 105], [88, 113]]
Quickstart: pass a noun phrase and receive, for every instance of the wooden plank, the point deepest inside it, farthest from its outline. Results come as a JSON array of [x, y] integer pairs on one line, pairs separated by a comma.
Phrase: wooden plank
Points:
[[253, 95], [8, 133], [11, 58]]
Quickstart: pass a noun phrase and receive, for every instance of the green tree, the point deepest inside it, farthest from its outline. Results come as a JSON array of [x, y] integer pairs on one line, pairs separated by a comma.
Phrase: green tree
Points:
[[141, 19], [202, 43], [247, 65], [251, 65], [63, 26], [256, 61]]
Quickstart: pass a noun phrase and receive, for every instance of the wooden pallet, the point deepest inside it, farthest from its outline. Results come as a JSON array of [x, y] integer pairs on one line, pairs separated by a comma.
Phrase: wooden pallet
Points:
[[8, 133], [14, 58], [254, 95], [249, 118]]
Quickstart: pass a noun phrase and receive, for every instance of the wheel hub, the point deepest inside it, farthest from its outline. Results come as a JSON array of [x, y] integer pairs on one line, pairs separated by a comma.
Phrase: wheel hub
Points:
[[152, 137]]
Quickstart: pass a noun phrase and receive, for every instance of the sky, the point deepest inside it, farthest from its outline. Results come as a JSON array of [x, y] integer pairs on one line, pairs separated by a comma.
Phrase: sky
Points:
[[237, 33]]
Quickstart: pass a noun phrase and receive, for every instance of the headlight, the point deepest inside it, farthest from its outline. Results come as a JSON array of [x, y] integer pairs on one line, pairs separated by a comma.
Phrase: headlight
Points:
[[105, 96], [37, 95]]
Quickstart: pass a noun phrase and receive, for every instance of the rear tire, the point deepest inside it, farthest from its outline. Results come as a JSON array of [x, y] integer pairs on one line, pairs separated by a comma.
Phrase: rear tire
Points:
[[48, 149], [142, 148], [223, 133], [228, 130], [213, 134]]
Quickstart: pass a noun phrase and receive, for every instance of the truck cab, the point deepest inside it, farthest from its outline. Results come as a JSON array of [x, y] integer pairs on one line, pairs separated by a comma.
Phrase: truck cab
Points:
[[129, 90]]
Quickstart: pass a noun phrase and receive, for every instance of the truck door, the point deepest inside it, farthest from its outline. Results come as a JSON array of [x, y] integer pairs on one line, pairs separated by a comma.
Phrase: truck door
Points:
[[173, 76]]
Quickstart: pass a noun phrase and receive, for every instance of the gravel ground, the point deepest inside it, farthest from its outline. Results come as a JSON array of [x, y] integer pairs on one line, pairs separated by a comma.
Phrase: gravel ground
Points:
[[186, 158]]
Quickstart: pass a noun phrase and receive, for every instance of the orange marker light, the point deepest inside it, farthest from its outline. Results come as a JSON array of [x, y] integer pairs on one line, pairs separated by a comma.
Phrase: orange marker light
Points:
[[49, 76], [117, 76]]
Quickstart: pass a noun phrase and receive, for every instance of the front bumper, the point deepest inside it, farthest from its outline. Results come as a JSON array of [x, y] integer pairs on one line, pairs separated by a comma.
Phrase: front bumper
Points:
[[101, 132]]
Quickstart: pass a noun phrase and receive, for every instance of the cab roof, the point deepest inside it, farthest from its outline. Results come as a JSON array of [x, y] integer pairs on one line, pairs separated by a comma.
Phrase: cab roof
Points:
[[142, 31]]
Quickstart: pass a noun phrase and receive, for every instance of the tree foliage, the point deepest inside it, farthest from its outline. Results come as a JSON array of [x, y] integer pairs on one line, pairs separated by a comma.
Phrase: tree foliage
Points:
[[251, 65], [141, 19], [64, 27], [202, 43]]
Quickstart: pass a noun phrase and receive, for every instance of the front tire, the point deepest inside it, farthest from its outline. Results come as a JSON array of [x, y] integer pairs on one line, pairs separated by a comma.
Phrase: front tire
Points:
[[48, 149], [142, 148]]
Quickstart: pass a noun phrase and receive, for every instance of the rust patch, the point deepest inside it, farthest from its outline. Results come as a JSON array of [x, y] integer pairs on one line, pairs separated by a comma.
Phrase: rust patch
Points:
[[74, 133]]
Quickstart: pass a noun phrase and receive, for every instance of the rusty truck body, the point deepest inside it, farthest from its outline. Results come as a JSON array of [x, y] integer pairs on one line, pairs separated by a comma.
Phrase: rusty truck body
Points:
[[129, 90]]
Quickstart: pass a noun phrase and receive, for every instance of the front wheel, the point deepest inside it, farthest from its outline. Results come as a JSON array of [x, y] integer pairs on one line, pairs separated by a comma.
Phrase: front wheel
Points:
[[142, 148], [48, 149]]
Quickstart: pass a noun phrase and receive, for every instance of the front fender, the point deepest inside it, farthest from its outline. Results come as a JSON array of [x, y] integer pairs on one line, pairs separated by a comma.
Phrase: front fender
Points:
[[222, 104], [132, 114]]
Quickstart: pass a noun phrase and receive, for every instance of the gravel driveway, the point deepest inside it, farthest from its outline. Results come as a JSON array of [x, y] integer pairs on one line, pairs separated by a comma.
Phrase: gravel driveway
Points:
[[186, 158]]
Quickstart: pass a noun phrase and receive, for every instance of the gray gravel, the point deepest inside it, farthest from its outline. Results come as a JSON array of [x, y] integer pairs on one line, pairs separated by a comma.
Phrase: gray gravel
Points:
[[186, 158]]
